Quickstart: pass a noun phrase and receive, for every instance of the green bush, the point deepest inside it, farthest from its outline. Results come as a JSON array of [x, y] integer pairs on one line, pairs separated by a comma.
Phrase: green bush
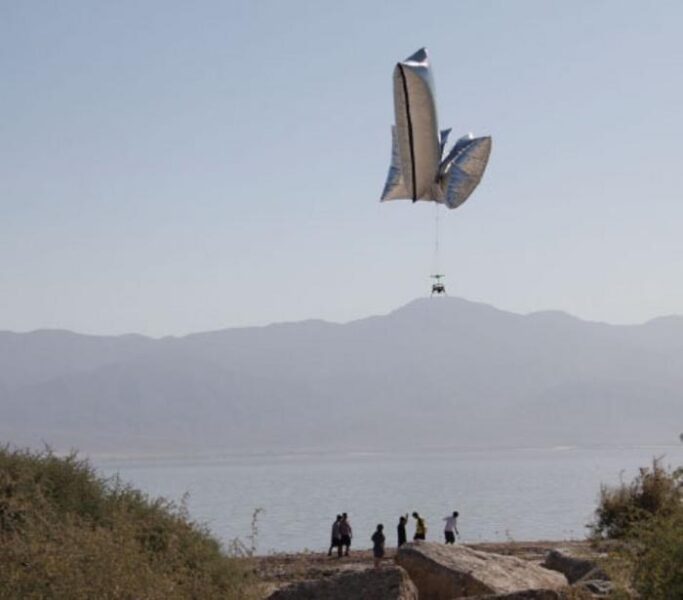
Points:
[[645, 518], [656, 558], [656, 491], [67, 533]]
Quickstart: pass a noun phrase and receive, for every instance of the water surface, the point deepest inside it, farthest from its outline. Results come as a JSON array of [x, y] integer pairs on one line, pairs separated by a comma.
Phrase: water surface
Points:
[[524, 494]]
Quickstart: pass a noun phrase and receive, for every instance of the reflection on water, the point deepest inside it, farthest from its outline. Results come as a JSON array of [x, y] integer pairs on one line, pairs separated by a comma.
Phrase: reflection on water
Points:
[[515, 494]]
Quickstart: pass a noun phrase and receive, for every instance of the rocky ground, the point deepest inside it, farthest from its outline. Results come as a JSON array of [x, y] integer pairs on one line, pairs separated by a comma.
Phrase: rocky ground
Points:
[[279, 570]]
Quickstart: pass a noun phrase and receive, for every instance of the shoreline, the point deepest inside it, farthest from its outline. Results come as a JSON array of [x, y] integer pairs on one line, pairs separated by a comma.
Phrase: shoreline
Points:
[[278, 570]]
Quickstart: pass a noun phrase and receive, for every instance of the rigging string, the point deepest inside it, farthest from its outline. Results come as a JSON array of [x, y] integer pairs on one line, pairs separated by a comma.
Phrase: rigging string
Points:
[[436, 239]]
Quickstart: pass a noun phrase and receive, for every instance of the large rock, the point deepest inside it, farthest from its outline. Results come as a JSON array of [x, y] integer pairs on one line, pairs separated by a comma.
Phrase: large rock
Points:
[[583, 573], [443, 572], [574, 568], [391, 583]]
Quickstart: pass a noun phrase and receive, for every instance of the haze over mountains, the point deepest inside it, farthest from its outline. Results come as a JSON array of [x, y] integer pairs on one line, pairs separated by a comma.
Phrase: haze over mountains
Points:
[[434, 373]]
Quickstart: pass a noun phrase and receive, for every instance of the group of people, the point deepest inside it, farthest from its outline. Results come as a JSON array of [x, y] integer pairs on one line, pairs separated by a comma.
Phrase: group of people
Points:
[[342, 534]]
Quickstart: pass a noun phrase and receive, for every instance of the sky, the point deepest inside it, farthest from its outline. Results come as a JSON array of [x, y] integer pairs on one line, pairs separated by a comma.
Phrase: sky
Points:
[[169, 167]]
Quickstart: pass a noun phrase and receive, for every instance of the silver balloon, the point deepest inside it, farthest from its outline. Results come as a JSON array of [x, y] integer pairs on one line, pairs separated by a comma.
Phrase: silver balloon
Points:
[[419, 170]]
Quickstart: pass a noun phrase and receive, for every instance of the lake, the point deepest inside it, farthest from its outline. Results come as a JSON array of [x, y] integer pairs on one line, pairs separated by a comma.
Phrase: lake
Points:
[[521, 494]]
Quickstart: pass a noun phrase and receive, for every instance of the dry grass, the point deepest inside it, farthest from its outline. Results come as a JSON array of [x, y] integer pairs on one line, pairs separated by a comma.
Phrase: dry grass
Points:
[[67, 533]]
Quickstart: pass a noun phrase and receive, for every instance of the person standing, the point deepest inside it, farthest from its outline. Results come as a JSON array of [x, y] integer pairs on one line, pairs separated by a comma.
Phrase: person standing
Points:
[[420, 527], [378, 545], [450, 529], [335, 541], [401, 530], [346, 533]]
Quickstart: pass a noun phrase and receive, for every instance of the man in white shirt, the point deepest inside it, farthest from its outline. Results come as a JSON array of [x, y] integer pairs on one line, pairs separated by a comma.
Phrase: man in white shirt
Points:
[[450, 529]]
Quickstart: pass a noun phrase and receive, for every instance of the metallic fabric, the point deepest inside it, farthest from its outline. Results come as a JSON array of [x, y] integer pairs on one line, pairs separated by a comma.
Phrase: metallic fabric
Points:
[[463, 172], [417, 170]]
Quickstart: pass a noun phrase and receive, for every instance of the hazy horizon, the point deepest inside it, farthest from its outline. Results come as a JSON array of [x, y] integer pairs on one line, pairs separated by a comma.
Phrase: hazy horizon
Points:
[[435, 372], [344, 322], [170, 168]]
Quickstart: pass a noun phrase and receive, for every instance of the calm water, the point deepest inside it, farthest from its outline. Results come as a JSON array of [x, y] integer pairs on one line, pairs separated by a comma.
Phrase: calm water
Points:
[[518, 494]]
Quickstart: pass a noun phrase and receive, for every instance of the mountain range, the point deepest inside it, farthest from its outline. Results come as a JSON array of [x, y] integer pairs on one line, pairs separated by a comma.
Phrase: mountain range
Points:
[[436, 373]]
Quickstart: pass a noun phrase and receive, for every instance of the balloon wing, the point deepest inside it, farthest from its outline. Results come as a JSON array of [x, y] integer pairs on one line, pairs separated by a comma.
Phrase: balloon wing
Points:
[[463, 172]]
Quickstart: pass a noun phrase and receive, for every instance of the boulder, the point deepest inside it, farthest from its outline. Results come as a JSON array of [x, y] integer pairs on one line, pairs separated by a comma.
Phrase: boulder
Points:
[[388, 583], [443, 572], [574, 568]]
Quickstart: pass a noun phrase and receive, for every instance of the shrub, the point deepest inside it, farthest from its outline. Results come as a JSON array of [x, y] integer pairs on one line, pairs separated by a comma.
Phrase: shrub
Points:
[[656, 558], [655, 492], [67, 533], [645, 518]]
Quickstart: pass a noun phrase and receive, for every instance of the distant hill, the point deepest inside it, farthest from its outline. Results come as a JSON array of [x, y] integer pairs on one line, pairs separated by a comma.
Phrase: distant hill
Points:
[[436, 372]]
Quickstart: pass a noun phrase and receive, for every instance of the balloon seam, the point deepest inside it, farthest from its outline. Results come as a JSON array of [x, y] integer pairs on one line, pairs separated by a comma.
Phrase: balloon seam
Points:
[[410, 132]]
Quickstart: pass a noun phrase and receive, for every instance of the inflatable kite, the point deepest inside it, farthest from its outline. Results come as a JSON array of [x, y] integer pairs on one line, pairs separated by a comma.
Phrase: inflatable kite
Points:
[[420, 168]]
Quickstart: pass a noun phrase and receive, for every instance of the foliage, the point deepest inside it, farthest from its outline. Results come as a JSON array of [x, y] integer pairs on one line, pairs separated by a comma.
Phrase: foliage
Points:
[[237, 547], [646, 519], [655, 492], [67, 533], [656, 555]]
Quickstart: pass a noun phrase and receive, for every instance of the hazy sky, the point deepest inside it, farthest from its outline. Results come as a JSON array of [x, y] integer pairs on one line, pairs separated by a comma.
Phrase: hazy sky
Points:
[[168, 167]]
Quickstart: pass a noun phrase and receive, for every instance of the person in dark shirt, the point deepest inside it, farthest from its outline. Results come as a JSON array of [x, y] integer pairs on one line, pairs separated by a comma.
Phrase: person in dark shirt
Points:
[[378, 545], [335, 540], [401, 530], [346, 533]]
